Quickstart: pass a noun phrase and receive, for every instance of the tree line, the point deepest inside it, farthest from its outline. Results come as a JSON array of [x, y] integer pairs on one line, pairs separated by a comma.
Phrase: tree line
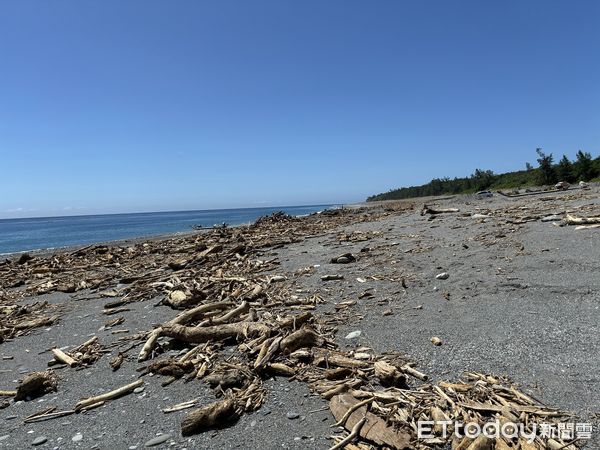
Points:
[[583, 168]]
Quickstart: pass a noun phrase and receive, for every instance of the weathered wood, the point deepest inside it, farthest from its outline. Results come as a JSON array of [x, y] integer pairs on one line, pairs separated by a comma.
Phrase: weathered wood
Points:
[[62, 357], [304, 337], [213, 415], [389, 375], [374, 429], [87, 402], [215, 333]]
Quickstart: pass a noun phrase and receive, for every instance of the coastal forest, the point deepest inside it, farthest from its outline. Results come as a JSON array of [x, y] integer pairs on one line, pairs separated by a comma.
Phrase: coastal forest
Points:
[[546, 172]]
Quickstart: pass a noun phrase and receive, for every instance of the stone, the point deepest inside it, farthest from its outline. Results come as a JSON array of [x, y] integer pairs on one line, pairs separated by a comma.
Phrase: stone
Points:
[[353, 334], [292, 415], [157, 440], [442, 276], [39, 440]]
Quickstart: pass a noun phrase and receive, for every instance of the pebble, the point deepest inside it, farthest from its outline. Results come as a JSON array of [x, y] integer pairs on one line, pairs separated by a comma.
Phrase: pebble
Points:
[[138, 390], [78, 437], [39, 440], [6, 436], [442, 276], [292, 415], [157, 440], [354, 334]]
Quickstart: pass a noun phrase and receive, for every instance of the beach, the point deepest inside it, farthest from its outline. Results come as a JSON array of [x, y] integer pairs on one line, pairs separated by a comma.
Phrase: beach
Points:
[[507, 286]]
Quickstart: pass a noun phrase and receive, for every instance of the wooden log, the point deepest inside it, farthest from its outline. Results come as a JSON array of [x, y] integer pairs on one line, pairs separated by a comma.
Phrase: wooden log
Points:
[[573, 220], [304, 337], [264, 358], [62, 357], [87, 402], [427, 210], [149, 344], [414, 372], [243, 308], [281, 369], [326, 358], [214, 415], [215, 333], [194, 313]]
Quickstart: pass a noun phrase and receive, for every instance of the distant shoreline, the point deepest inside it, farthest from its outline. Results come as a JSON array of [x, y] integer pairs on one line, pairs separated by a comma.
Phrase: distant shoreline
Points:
[[185, 226]]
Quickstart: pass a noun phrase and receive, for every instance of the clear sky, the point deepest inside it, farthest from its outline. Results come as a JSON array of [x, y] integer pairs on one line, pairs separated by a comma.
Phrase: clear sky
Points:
[[118, 106]]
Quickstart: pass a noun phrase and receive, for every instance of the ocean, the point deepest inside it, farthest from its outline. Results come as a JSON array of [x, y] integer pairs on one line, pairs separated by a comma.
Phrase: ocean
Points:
[[19, 235]]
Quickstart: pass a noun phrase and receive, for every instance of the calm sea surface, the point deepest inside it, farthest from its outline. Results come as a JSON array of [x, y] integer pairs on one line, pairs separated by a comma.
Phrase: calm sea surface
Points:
[[17, 235]]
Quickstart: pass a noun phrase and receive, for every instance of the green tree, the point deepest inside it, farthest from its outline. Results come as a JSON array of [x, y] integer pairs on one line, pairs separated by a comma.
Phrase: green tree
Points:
[[528, 167], [564, 170], [482, 179], [547, 174], [584, 167]]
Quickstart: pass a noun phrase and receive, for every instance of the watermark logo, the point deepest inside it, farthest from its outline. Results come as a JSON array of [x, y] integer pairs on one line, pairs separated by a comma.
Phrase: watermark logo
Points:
[[508, 430]]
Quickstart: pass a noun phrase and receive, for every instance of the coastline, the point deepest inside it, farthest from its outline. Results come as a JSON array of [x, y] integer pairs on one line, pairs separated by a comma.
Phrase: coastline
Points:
[[136, 239], [514, 266]]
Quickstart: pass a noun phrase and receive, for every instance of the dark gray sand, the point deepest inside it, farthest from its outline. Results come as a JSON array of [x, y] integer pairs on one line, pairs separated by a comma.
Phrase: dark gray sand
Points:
[[522, 303]]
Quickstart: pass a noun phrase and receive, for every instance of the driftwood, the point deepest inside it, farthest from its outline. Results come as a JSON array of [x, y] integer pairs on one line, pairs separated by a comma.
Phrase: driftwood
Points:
[[62, 357], [573, 220], [389, 375], [215, 333], [305, 337], [214, 415], [427, 210], [374, 429], [91, 401], [36, 384]]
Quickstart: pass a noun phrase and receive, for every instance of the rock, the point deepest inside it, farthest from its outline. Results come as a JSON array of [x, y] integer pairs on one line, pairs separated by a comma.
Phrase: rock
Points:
[[292, 415], [138, 390], [480, 216], [3, 438], [387, 312], [436, 341], [177, 296], [332, 277], [442, 276], [78, 437], [277, 279], [157, 440], [343, 259], [354, 334], [39, 440], [24, 258]]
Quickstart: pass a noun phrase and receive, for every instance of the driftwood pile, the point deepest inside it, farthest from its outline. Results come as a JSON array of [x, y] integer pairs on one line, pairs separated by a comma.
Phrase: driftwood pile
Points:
[[187, 267], [225, 293]]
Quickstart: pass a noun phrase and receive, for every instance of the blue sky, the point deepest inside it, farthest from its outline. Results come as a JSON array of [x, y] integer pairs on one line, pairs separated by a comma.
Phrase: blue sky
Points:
[[118, 106]]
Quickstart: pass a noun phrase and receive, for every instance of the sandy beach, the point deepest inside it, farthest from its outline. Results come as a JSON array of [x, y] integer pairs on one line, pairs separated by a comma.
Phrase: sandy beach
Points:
[[519, 300]]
